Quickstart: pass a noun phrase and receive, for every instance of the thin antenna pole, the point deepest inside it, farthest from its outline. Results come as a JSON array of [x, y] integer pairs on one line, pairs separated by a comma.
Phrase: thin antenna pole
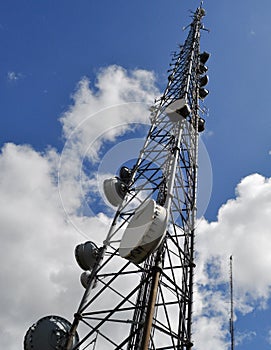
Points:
[[231, 316]]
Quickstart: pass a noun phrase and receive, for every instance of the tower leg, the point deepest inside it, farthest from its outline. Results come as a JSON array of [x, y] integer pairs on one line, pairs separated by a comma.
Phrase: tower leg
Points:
[[156, 273]]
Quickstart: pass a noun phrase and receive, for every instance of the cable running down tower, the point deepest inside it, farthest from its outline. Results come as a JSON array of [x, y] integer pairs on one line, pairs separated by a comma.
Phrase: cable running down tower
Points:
[[139, 283]]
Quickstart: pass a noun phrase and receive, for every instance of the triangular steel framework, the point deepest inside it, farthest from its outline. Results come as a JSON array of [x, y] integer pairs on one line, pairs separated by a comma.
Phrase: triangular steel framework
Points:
[[149, 305]]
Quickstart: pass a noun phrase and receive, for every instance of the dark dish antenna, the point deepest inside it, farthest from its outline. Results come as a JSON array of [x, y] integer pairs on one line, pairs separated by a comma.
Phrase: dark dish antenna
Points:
[[231, 312]]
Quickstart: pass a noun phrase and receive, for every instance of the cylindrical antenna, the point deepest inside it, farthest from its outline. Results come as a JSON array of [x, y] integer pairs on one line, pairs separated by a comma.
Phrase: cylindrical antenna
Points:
[[231, 316]]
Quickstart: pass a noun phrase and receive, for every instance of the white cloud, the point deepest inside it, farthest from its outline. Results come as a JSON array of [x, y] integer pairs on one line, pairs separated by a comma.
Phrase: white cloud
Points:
[[114, 86], [33, 229], [241, 338], [242, 229], [209, 334], [13, 76], [38, 273], [101, 114]]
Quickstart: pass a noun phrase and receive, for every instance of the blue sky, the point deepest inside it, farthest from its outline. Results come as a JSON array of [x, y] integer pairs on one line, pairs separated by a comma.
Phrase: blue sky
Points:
[[48, 47], [55, 52]]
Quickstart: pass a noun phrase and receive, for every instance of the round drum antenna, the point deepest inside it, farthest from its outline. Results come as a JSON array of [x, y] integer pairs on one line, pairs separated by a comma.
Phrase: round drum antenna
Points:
[[49, 333]]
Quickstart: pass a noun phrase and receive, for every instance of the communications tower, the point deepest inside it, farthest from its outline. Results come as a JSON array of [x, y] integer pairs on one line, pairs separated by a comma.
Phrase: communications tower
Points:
[[139, 282]]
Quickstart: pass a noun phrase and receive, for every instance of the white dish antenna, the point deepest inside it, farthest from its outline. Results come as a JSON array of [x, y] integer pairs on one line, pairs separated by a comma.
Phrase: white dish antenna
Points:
[[178, 109], [114, 190], [144, 232]]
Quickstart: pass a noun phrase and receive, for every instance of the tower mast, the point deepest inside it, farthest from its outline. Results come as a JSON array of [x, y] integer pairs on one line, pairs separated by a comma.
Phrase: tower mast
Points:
[[231, 312], [139, 283]]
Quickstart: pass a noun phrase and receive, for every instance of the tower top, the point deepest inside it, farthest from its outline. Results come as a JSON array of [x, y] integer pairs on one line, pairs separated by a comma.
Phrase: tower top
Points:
[[200, 12]]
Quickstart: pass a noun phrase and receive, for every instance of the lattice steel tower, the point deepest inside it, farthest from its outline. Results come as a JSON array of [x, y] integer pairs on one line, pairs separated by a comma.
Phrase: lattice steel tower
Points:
[[139, 284]]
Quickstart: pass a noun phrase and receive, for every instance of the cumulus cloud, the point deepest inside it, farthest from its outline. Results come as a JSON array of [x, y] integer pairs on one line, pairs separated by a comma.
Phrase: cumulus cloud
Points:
[[32, 227], [242, 229], [99, 114], [38, 272], [114, 86]]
